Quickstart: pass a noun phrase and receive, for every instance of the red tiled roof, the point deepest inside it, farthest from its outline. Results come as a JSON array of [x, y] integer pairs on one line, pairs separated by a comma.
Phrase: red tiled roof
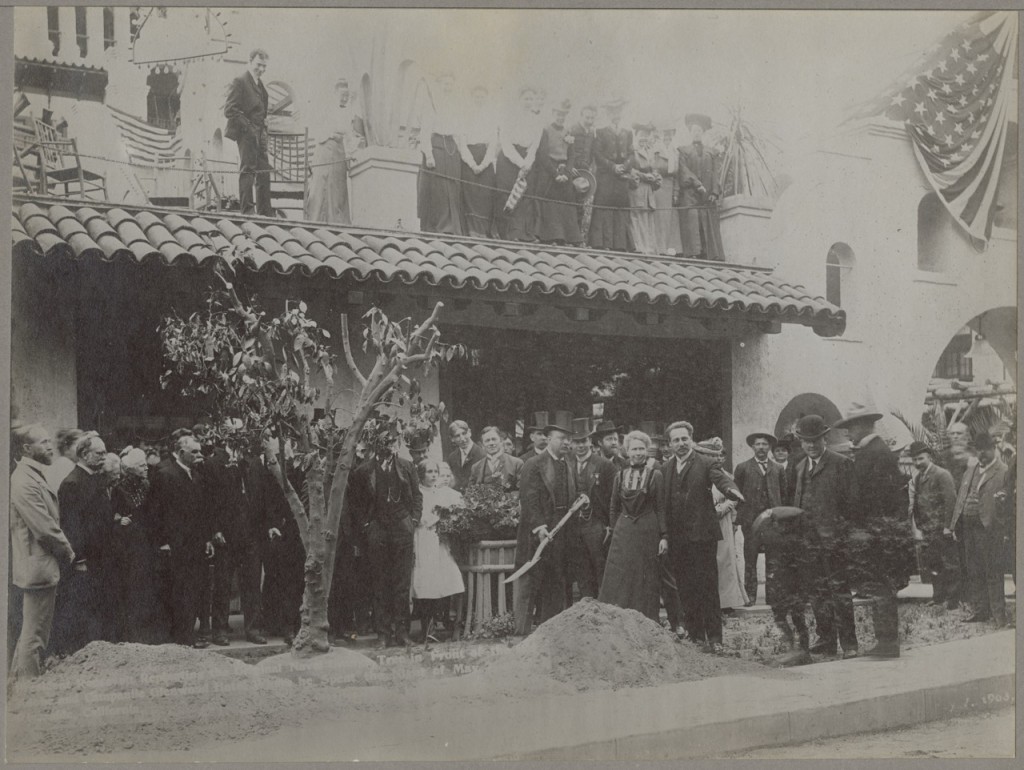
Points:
[[82, 229]]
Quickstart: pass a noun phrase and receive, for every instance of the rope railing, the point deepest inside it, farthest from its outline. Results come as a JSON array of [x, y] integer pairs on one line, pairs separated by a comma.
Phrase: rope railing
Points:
[[422, 170]]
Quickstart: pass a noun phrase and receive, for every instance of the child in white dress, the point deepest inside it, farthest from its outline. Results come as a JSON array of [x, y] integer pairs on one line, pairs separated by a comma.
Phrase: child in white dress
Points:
[[435, 575]]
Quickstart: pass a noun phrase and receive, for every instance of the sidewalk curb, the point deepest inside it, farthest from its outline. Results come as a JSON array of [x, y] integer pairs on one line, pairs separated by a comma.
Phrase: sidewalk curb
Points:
[[714, 739]]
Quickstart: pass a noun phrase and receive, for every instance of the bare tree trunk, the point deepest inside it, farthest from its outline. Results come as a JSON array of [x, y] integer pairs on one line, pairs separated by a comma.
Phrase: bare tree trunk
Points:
[[312, 636]]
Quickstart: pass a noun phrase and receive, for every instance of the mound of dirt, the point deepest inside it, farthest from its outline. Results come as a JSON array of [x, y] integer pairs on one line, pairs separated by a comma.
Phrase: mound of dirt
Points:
[[108, 697], [593, 645], [339, 666]]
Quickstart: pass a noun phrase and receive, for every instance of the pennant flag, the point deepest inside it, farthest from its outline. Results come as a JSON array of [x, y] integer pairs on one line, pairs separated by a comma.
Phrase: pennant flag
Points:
[[956, 104]]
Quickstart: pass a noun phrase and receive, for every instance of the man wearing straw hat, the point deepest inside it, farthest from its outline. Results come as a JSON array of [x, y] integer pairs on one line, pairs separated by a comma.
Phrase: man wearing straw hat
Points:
[[825, 489]]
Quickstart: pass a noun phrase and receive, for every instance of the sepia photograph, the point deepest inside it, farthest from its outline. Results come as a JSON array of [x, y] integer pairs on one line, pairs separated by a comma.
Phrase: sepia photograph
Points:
[[438, 384]]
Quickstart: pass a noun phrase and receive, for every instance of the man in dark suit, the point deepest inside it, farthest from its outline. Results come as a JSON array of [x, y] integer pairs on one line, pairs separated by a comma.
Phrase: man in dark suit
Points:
[[881, 513], [986, 532], [547, 490], [87, 518], [282, 551], [538, 440], [465, 455], [694, 532], [826, 490], [607, 437], [237, 542], [386, 504], [497, 467], [933, 499], [760, 480], [182, 530], [788, 461], [588, 533], [246, 110]]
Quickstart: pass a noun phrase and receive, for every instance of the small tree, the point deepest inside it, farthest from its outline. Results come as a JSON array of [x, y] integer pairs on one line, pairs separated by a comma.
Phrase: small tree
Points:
[[255, 375]]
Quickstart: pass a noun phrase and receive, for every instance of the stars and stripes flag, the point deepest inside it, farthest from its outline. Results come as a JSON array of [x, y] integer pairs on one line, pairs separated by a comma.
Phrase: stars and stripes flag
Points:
[[956, 104]]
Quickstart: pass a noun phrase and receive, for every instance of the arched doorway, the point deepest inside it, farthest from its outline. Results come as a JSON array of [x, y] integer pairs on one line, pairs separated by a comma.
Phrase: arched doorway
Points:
[[804, 404], [975, 377]]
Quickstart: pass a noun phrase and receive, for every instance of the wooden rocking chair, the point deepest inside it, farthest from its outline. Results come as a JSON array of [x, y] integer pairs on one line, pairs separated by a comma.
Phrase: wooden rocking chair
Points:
[[60, 164]]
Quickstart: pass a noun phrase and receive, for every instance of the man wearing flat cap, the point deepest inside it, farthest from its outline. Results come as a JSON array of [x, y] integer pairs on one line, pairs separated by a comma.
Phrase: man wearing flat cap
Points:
[[697, 194], [881, 526], [985, 532], [826, 490], [933, 499], [760, 480]]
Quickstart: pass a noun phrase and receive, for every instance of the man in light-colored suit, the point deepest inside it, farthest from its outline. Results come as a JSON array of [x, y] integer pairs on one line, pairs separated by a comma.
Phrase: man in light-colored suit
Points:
[[38, 546], [985, 532]]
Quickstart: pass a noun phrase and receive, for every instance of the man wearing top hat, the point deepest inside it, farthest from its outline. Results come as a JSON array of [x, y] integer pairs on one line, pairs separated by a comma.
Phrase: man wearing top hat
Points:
[[933, 499], [547, 489], [760, 480], [826, 490], [880, 518], [588, 533], [697, 194], [985, 532]]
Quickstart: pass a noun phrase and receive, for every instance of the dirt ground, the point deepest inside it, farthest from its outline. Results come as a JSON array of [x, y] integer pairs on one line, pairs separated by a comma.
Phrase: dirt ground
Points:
[[755, 637], [136, 697]]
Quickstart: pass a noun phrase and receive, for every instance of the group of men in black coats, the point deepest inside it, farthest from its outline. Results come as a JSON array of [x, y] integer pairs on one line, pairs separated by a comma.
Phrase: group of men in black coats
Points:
[[209, 516]]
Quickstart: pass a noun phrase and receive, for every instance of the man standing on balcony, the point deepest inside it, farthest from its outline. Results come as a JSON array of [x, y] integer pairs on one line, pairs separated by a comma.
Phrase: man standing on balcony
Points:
[[697, 194], [246, 110]]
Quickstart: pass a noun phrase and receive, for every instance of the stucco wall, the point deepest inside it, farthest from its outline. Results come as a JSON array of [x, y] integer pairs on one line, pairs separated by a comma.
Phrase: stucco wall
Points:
[[43, 380], [864, 190]]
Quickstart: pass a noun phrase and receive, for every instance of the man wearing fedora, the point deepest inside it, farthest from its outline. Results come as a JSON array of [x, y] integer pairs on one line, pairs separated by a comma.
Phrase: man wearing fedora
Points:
[[933, 499], [547, 489], [985, 532], [760, 480], [538, 438], [697, 193], [826, 490], [694, 531], [607, 437], [588, 533], [880, 516]]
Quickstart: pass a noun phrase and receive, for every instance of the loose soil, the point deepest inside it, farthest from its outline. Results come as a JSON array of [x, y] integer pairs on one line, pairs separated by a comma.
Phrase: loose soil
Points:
[[130, 697], [599, 646]]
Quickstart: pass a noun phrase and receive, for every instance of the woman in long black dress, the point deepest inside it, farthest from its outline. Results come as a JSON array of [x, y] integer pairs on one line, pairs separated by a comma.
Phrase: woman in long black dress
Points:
[[439, 185], [478, 147], [134, 554], [632, 574]]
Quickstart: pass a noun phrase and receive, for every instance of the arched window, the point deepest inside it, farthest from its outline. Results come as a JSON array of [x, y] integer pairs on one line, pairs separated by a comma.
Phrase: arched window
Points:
[[838, 263], [81, 35], [53, 28], [108, 28], [163, 101]]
